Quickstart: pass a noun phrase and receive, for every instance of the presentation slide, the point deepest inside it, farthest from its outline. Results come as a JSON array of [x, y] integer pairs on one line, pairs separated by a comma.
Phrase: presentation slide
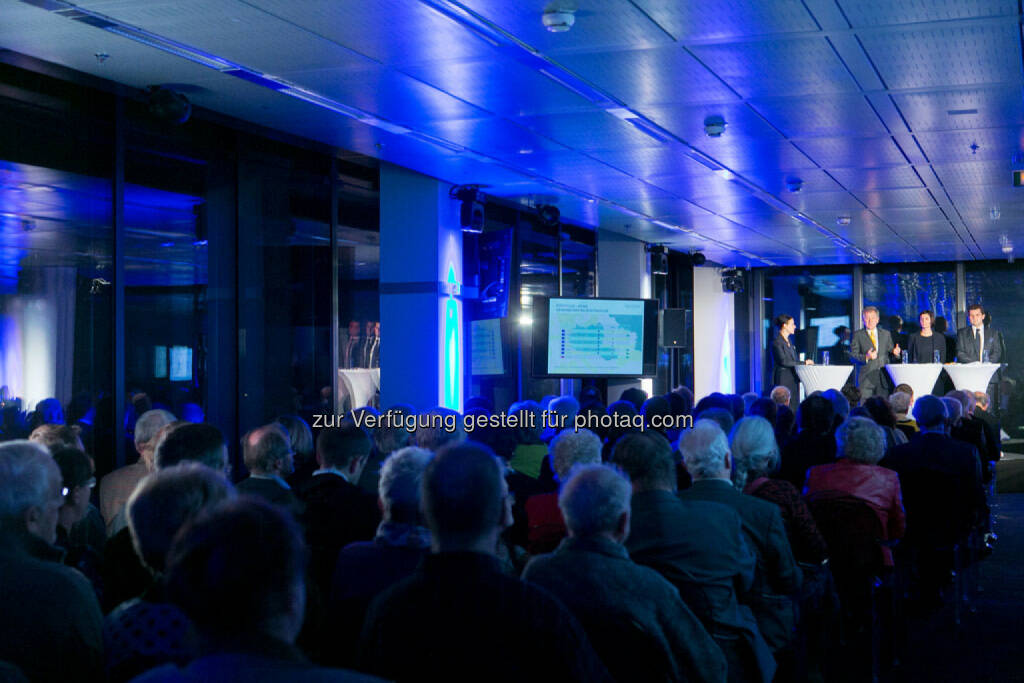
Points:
[[826, 329], [181, 364], [487, 356], [160, 362], [595, 337]]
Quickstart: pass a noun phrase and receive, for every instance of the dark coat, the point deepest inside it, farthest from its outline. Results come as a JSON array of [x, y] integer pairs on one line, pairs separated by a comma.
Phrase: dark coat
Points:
[[459, 618], [595, 579], [778, 577], [802, 452], [337, 513], [967, 350], [701, 549], [271, 491], [785, 361]]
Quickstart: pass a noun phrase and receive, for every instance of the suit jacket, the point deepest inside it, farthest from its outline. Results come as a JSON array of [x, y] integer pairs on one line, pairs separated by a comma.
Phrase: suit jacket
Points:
[[337, 513], [115, 489], [931, 452], [967, 349], [596, 580], [271, 491], [777, 577], [870, 371], [922, 349], [993, 434], [700, 547], [785, 362]]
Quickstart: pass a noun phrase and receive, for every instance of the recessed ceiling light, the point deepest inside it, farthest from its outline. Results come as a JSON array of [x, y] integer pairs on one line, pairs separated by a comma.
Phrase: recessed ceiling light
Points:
[[843, 220], [724, 174]]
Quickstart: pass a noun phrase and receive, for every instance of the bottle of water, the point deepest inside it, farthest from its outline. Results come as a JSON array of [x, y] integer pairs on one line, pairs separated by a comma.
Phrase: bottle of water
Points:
[[906, 357], [824, 357], [936, 358]]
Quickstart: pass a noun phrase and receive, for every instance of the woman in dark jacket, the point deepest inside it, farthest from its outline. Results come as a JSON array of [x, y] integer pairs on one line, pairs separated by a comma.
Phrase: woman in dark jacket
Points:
[[784, 358], [922, 346]]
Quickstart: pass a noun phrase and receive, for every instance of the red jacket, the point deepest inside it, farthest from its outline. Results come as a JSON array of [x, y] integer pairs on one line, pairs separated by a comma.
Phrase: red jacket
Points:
[[877, 486]]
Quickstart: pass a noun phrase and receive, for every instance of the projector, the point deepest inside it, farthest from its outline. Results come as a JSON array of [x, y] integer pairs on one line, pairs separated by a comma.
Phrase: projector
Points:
[[558, 21]]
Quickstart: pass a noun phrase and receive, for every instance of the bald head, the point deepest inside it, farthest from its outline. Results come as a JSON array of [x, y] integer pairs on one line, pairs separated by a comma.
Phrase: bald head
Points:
[[465, 498], [267, 451]]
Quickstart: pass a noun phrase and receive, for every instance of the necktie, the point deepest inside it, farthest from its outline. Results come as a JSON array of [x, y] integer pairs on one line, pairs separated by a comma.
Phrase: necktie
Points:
[[977, 341], [874, 341]]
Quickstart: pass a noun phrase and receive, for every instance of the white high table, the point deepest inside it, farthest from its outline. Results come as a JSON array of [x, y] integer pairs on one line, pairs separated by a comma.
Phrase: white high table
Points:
[[822, 377], [920, 376], [360, 385], [971, 376]]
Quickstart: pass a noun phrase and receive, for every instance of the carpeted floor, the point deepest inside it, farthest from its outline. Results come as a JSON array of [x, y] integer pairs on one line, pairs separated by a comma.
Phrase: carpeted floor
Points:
[[1010, 472], [986, 648]]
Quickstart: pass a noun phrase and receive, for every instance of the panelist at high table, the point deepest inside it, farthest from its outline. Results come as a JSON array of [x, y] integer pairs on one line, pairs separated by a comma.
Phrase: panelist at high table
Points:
[[926, 346], [979, 342], [784, 358], [871, 349]]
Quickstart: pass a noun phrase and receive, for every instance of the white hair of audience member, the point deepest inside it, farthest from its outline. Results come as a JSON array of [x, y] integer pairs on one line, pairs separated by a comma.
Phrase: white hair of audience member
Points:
[[594, 499], [780, 395], [754, 450], [954, 411], [571, 447], [27, 471], [900, 402], [565, 405], [861, 440], [704, 449], [401, 477], [748, 400], [165, 500], [151, 422]]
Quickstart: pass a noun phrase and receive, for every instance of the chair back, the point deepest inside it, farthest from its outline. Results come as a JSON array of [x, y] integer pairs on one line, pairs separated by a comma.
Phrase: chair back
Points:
[[628, 650], [853, 533]]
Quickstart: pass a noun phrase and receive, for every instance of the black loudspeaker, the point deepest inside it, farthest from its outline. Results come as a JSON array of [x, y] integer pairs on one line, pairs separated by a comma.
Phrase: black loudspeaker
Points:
[[674, 325]]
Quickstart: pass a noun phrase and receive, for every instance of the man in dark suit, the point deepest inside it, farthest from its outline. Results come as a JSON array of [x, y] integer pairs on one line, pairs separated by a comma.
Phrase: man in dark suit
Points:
[[978, 340], [871, 349], [337, 512], [698, 546], [705, 451], [268, 455], [351, 345]]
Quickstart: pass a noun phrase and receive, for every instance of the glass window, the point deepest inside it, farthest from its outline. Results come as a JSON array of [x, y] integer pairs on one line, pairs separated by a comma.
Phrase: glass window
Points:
[[902, 291]]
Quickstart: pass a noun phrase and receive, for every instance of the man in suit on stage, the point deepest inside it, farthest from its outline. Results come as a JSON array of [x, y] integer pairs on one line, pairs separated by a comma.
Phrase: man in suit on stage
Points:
[[871, 349], [980, 342]]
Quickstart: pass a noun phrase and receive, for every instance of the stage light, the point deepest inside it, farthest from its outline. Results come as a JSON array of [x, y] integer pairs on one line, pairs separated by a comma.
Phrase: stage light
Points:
[[471, 213]]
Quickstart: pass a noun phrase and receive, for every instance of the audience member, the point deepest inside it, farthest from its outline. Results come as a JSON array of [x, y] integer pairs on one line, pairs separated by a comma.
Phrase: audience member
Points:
[[705, 452], [52, 435], [435, 436], [459, 617], [812, 445], [972, 430], [766, 408], [613, 434], [860, 445], [268, 455], [147, 631], [785, 421], [720, 416], [300, 436], [656, 412], [566, 407], [337, 511], [51, 628], [900, 402], [755, 459], [748, 400], [879, 410], [852, 395], [82, 548], [635, 396], [546, 527], [386, 441], [697, 545], [202, 443], [238, 572], [366, 568], [993, 430], [781, 395], [840, 406], [613, 598], [116, 487]]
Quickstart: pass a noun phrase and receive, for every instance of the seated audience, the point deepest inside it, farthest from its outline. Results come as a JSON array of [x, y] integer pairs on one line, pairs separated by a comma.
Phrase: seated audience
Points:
[[546, 528], [238, 573], [148, 631], [705, 452], [386, 440], [781, 396], [840, 406], [366, 568], [434, 438], [698, 546], [852, 396], [51, 435], [657, 409], [613, 434], [856, 474], [116, 487], [785, 421], [563, 407], [337, 512], [720, 416], [592, 575], [755, 459], [459, 617], [879, 410], [300, 436], [748, 400], [634, 396], [993, 430], [51, 625], [812, 445], [900, 404], [268, 456], [81, 552], [972, 430], [766, 408]]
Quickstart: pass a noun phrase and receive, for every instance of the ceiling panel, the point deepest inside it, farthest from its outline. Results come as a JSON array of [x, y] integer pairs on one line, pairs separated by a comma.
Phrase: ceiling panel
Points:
[[775, 180], [992, 144], [891, 177], [717, 19], [884, 12], [841, 114], [667, 75], [981, 53], [897, 199], [589, 131], [974, 173], [962, 109], [648, 162], [741, 154], [848, 152], [796, 66]]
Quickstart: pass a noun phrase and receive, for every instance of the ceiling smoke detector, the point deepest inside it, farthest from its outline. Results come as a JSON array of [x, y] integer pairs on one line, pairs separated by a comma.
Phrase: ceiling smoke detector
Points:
[[558, 20], [714, 126]]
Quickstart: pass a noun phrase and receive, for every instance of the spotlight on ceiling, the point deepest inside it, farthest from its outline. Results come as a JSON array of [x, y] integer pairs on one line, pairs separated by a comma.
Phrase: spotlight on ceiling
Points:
[[659, 259], [794, 184], [843, 220], [714, 126], [733, 280], [698, 258], [167, 105], [558, 20], [471, 213], [550, 216]]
